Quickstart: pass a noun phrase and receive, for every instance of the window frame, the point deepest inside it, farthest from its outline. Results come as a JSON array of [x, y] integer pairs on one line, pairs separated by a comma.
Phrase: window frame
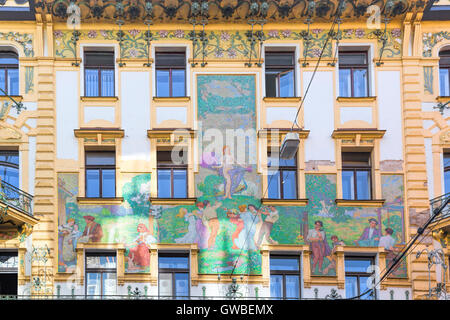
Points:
[[100, 168], [446, 169], [358, 275], [174, 271], [170, 69], [285, 68], [11, 164], [284, 273], [352, 67], [172, 167], [445, 53], [7, 66], [355, 169], [101, 271], [282, 169], [99, 69]]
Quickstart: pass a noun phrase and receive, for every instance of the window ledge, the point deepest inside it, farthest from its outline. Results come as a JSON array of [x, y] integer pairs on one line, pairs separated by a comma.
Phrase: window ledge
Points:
[[107, 132], [99, 201], [171, 99], [284, 202], [377, 203], [173, 201], [98, 99], [356, 99], [282, 99], [17, 98], [443, 99]]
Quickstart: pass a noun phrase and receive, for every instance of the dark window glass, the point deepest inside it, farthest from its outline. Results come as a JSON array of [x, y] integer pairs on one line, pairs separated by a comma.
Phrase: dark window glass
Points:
[[98, 74], [9, 73], [9, 167], [282, 177], [9, 265], [356, 176], [356, 277], [174, 275], [447, 172], [353, 74], [280, 76], [170, 74], [172, 176], [100, 174], [444, 73], [101, 277], [284, 277]]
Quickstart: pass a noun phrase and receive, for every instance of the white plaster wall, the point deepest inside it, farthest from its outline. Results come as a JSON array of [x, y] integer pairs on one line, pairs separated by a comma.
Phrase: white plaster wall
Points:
[[135, 100], [171, 113], [356, 113], [66, 114], [280, 113], [99, 113], [319, 116]]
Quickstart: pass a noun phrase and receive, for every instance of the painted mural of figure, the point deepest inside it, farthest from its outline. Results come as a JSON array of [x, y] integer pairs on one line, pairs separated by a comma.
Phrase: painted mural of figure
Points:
[[235, 219], [68, 233], [319, 245], [370, 235], [246, 239], [210, 214], [335, 242], [139, 255], [201, 226], [272, 216], [92, 232], [191, 235], [388, 241]]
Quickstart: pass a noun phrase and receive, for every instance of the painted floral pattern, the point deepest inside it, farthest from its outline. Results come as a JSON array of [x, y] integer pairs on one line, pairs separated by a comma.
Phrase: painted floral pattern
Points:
[[25, 40], [429, 41]]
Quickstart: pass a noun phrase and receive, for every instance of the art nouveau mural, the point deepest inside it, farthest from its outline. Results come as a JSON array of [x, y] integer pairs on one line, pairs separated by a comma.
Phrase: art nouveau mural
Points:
[[228, 220]]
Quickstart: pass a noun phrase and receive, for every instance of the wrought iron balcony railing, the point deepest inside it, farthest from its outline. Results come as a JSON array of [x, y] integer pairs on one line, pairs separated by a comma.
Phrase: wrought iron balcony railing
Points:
[[16, 198], [437, 203]]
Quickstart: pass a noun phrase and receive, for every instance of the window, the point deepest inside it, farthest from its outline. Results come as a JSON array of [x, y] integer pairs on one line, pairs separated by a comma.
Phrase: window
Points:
[[9, 73], [444, 73], [172, 176], [353, 74], [9, 263], [280, 75], [356, 176], [174, 275], [99, 74], [101, 274], [9, 167], [356, 277], [447, 172], [100, 174], [282, 175], [284, 277], [170, 74]]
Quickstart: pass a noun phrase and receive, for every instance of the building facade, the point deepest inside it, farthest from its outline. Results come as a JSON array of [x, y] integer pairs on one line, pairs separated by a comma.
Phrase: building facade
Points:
[[147, 158]]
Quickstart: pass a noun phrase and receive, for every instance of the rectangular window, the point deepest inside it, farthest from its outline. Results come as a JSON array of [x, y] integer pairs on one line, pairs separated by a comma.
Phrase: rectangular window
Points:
[[353, 74], [100, 174], [174, 275], [170, 74], [101, 274], [357, 277], [9, 73], [172, 174], [98, 74], [284, 277], [282, 177], [356, 176], [444, 73], [280, 74], [9, 167], [9, 263], [447, 172]]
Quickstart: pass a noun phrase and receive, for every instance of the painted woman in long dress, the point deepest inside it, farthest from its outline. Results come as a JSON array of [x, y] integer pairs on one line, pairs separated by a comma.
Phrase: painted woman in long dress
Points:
[[139, 255], [191, 235]]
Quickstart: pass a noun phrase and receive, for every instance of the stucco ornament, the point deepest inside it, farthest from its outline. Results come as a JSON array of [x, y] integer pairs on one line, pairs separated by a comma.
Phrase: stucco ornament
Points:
[[9, 134]]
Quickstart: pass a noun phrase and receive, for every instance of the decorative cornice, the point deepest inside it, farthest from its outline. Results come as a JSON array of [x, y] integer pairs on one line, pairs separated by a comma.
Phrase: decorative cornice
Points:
[[353, 133], [267, 132], [106, 132]]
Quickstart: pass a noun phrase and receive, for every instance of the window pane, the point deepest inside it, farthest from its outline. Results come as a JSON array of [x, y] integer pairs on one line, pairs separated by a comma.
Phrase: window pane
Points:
[[93, 284], [100, 262], [174, 262], [444, 82], [351, 287], [2, 81], [9, 261], [170, 59], [162, 83], [107, 83], [447, 181], [182, 285], [363, 288], [363, 185], [357, 265], [178, 83], [109, 284], [284, 264], [276, 286], [289, 185], [10, 156], [97, 58], [10, 175], [92, 183], [355, 58], [8, 57], [348, 188], [271, 84], [179, 183], [165, 284], [287, 84], [279, 59], [274, 184], [292, 287], [13, 82], [164, 185], [360, 83], [91, 82], [108, 183], [100, 158], [345, 83]]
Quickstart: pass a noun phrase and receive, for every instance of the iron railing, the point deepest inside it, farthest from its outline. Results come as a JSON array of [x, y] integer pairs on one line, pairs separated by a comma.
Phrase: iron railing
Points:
[[437, 202], [16, 198]]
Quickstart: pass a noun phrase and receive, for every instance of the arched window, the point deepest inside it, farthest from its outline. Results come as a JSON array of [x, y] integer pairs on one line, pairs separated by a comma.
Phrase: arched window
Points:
[[9, 73], [9, 167], [444, 73]]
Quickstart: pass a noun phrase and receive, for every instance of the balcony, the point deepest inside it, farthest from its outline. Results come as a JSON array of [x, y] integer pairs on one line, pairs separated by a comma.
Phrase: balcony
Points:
[[16, 211]]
